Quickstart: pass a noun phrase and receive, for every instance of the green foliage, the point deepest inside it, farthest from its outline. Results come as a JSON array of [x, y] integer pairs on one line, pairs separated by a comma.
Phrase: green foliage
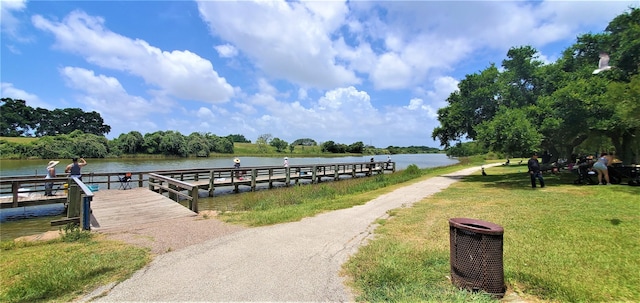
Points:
[[237, 139], [465, 149], [72, 232], [509, 132], [412, 150], [412, 170], [305, 142], [279, 144], [563, 101], [18, 119]]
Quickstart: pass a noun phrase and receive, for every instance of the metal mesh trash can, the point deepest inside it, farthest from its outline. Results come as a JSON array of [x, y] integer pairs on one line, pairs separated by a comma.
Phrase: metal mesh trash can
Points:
[[476, 255]]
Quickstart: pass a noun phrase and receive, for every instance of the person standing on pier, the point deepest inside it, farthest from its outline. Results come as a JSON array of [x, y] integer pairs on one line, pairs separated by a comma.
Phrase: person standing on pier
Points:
[[73, 169], [51, 173], [236, 166]]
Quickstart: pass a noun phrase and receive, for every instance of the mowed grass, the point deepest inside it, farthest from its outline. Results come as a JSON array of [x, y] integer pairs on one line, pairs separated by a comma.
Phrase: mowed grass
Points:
[[563, 243], [294, 203], [22, 140], [58, 271]]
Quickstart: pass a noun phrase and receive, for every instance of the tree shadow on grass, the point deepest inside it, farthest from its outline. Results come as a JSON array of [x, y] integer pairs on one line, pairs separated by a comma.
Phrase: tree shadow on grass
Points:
[[522, 179], [519, 179]]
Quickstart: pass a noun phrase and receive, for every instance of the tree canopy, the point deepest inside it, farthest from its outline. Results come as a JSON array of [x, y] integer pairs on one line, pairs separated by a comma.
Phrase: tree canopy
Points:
[[557, 107], [19, 119]]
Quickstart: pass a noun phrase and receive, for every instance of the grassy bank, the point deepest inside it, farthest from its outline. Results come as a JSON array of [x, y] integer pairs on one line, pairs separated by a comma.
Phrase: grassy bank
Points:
[[563, 243], [62, 269], [294, 203]]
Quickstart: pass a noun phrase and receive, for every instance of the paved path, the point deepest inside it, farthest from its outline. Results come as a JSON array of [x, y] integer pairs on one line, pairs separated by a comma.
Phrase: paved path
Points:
[[297, 261]]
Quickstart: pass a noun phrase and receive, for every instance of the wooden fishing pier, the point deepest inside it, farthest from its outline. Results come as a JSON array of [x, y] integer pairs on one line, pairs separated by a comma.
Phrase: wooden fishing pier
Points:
[[115, 201]]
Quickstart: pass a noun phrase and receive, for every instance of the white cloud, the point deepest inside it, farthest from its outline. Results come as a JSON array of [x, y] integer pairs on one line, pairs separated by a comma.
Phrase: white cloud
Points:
[[9, 91], [123, 112], [288, 40], [226, 50], [9, 23], [182, 74], [205, 113]]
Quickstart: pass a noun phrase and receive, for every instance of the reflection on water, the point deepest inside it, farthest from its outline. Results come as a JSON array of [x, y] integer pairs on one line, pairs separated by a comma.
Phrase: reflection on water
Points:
[[25, 221]]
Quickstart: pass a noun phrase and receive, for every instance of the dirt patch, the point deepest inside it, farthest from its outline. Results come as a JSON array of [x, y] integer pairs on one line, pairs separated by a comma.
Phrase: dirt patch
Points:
[[170, 235], [50, 235]]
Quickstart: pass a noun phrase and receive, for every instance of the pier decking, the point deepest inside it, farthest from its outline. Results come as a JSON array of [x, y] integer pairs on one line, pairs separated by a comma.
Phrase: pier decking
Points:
[[120, 208]]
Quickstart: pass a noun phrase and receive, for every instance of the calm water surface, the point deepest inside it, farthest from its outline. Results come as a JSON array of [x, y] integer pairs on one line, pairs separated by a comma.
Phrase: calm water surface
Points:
[[33, 220]]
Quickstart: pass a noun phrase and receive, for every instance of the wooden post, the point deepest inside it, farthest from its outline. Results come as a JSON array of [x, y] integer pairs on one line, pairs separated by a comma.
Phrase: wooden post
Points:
[[336, 175], [85, 210], [14, 191], [313, 175], [194, 201], [254, 176], [211, 183], [73, 200], [270, 180], [140, 180], [287, 172]]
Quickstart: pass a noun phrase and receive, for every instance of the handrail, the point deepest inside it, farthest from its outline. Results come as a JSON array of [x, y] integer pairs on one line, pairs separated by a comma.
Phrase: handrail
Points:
[[12, 184], [156, 183], [79, 202]]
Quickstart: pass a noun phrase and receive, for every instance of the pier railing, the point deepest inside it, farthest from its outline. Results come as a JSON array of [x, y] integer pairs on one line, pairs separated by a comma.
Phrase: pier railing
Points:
[[29, 190], [160, 183]]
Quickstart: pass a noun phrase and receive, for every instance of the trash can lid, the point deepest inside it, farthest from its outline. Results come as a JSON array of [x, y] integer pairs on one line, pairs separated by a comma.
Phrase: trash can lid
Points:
[[478, 226]]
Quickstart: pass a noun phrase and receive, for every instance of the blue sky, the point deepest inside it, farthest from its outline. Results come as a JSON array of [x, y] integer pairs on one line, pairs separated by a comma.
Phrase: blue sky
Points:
[[370, 71]]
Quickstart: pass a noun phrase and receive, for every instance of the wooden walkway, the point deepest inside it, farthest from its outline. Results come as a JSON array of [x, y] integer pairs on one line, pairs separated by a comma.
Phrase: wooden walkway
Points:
[[128, 208]]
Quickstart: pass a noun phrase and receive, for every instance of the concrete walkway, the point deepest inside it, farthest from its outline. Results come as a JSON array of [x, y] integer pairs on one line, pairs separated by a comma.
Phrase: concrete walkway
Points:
[[297, 261]]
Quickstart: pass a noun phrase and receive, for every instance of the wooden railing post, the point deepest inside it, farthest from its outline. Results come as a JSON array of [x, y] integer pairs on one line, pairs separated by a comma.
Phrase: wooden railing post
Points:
[[254, 176], [211, 183], [193, 204], [15, 186], [73, 200], [287, 172], [313, 174], [85, 210]]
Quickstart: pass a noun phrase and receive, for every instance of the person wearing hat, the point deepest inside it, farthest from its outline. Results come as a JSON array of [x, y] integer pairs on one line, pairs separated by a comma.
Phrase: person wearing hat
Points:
[[534, 170], [286, 161], [51, 173], [73, 169], [236, 166]]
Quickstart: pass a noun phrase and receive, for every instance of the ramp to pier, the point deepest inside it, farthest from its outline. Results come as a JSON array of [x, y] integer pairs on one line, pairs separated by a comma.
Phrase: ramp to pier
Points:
[[131, 207]]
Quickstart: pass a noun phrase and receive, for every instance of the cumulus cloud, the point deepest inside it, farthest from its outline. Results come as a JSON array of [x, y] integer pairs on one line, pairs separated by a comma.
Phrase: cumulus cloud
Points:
[[288, 40], [182, 74], [122, 111]]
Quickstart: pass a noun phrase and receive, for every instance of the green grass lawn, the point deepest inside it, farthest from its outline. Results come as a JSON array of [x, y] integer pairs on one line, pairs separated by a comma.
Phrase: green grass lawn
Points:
[[60, 271], [18, 139], [563, 243]]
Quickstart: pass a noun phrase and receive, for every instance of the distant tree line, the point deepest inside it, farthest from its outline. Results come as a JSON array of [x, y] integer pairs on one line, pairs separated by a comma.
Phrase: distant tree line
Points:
[[70, 132], [18, 119], [413, 150], [79, 144]]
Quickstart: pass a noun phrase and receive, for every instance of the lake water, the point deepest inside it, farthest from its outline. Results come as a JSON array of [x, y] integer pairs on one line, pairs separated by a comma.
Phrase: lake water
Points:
[[24, 221]]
